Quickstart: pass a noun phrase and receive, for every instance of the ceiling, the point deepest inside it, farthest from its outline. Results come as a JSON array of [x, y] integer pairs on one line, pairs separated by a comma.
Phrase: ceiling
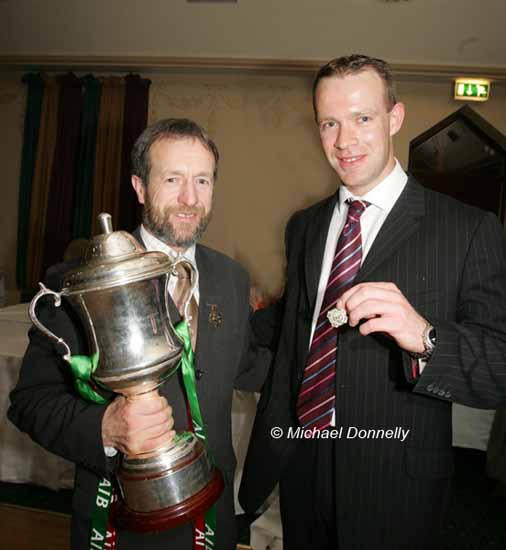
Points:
[[428, 32]]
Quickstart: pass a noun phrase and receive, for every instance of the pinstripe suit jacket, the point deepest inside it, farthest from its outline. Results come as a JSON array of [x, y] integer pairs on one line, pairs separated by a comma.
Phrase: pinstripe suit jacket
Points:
[[449, 260]]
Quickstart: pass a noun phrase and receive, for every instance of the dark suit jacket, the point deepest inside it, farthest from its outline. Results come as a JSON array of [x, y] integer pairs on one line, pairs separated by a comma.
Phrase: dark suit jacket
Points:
[[45, 405], [496, 449], [449, 260]]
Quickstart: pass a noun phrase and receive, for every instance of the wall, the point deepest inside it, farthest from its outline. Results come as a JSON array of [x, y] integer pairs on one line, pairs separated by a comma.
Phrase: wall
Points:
[[271, 163], [440, 32]]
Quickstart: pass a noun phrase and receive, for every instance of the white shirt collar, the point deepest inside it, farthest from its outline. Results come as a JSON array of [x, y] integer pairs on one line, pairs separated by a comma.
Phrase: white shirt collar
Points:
[[384, 194], [152, 243]]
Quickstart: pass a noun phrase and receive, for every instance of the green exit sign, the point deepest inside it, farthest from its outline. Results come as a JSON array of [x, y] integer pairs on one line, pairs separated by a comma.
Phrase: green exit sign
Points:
[[472, 89]]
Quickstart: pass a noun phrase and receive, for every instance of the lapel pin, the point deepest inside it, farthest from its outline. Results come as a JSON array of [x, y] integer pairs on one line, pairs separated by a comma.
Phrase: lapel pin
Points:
[[215, 317]]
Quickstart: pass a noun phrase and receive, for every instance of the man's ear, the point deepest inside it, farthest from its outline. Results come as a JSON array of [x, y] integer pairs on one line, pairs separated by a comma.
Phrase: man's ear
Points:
[[396, 118], [140, 188]]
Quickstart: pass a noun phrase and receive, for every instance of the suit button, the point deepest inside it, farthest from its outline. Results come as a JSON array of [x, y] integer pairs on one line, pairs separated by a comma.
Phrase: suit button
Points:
[[344, 387], [448, 395], [441, 393], [430, 387], [199, 374]]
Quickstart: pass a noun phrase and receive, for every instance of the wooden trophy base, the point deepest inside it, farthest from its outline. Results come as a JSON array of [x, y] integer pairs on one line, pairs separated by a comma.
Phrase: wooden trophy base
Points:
[[172, 516]]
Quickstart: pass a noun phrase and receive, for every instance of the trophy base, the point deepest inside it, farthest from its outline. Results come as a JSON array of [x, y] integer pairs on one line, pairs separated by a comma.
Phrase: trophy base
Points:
[[171, 516]]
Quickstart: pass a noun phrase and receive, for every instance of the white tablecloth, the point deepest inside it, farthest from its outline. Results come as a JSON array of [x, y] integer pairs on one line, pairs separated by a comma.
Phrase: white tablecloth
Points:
[[22, 460]]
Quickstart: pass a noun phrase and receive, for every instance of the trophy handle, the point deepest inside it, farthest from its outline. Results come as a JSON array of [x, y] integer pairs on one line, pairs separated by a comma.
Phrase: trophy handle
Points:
[[31, 312]]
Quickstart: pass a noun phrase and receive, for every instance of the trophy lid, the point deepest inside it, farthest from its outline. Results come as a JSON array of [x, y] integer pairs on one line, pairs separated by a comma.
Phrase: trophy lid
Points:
[[114, 258]]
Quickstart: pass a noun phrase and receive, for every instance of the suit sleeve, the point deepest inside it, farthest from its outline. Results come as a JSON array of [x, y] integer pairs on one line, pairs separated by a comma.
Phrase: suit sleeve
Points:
[[44, 403], [263, 337], [256, 357], [469, 362]]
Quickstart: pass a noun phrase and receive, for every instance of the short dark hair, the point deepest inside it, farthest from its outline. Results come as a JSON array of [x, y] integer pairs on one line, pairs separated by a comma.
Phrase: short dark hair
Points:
[[356, 63], [168, 128]]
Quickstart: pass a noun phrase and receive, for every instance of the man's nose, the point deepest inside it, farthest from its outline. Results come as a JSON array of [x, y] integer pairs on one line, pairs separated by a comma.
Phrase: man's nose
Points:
[[188, 194], [345, 137]]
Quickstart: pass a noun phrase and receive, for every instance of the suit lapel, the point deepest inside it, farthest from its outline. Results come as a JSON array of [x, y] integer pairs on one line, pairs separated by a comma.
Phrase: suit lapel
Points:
[[316, 237], [403, 220], [208, 296]]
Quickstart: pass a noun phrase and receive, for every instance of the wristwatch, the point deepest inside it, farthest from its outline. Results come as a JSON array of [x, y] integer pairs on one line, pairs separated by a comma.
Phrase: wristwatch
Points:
[[429, 343]]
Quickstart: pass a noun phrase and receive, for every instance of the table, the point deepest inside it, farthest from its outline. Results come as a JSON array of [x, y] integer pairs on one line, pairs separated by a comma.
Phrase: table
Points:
[[22, 460]]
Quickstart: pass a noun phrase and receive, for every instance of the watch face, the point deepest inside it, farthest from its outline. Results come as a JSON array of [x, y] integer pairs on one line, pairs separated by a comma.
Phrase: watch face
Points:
[[432, 336]]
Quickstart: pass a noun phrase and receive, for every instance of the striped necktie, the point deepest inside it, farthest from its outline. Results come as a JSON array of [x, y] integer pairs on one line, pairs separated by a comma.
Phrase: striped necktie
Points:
[[316, 400]]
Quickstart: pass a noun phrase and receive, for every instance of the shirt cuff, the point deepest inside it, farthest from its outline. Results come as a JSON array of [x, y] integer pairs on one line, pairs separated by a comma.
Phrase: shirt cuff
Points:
[[417, 366]]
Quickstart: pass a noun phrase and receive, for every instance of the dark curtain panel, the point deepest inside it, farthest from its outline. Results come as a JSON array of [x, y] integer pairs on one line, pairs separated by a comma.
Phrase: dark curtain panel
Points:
[[85, 164], [35, 93], [106, 184], [135, 118], [41, 182], [58, 228]]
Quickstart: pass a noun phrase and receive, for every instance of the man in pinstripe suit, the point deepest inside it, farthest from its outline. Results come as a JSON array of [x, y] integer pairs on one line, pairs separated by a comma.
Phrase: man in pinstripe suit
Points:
[[426, 326]]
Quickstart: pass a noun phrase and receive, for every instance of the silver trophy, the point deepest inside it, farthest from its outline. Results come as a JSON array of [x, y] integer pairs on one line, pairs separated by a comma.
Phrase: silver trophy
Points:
[[120, 294]]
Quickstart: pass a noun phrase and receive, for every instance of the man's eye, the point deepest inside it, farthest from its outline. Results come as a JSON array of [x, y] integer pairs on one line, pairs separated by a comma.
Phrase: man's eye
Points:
[[364, 118], [328, 124], [203, 181]]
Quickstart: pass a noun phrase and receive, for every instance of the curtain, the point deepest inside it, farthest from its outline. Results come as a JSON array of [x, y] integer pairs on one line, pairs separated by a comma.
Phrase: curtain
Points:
[[35, 93], [58, 229], [108, 155], [135, 119], [85, 164], [78, 134], [41, 179]]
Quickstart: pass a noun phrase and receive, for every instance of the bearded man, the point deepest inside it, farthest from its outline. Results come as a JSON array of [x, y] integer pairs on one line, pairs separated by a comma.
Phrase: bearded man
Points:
[[174, 166]]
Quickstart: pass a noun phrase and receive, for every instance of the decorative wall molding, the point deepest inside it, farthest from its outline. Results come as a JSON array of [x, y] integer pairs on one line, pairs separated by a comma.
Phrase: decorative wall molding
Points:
[[150, 64]]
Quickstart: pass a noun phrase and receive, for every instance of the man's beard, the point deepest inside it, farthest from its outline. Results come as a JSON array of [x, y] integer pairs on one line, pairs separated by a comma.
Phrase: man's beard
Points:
[[157, 221]]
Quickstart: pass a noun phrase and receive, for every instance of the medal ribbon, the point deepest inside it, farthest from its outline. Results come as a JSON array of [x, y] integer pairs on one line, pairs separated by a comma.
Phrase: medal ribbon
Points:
[[103, 533], [204, 532], [82, 368]]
